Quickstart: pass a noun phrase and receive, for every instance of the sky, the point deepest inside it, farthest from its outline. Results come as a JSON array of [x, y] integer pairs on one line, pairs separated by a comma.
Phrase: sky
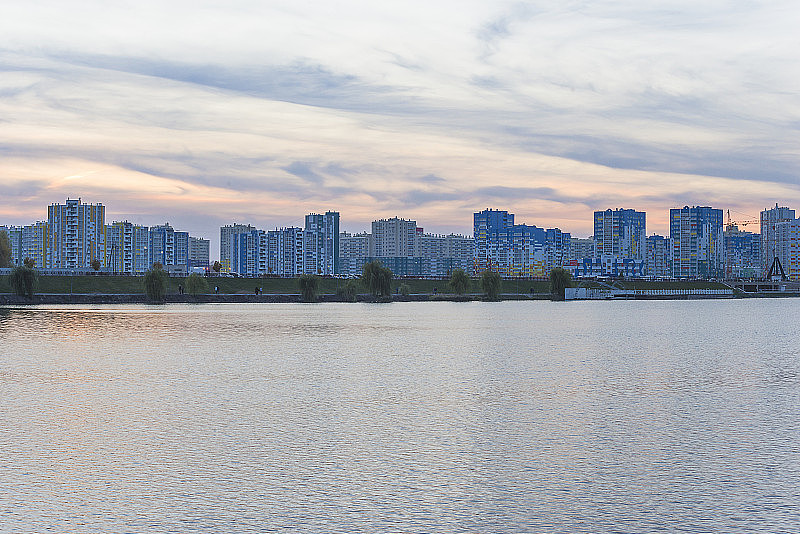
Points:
[[206, 113]]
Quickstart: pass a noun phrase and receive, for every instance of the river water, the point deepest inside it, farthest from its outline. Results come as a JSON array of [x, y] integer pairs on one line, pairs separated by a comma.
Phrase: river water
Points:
[[638, 416]]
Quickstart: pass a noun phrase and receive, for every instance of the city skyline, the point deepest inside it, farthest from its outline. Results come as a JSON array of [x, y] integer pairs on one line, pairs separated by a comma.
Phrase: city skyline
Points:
[[76, 236], [215, 250], [552, 111]]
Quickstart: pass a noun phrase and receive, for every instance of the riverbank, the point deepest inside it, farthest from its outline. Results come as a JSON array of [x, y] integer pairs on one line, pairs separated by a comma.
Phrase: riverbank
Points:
[[138, 298], [94, 298], [102, 289], [131, 285]]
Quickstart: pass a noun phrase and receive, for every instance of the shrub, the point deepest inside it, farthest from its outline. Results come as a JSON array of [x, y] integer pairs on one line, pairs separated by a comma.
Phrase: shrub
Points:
[[459, 281], [404, 289], [5, 249], [347, 292], [23, 281], [491, 284], [155, 283], [560, 279], [377, 278], [309, 285]]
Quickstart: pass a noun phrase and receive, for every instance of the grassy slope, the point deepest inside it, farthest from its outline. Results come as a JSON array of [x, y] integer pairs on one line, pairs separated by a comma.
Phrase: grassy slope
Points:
[[133, 284]]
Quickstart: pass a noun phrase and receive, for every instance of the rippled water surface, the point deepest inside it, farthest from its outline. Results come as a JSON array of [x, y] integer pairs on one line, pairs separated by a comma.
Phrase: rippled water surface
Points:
[[407, 417]]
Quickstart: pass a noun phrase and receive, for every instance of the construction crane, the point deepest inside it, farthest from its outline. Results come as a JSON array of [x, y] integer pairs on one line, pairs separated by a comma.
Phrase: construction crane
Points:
[[730, 224], [729, 227], [775, 271]]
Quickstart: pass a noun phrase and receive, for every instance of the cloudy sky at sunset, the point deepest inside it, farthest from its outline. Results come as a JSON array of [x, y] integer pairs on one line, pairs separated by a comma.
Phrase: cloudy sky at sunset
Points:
[[203, 113]]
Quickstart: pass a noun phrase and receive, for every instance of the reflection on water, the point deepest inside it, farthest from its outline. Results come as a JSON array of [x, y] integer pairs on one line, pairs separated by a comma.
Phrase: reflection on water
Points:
[[414, 417]]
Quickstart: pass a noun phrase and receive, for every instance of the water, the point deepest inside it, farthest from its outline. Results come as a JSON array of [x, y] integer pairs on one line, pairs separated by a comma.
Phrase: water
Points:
[[411, 417]]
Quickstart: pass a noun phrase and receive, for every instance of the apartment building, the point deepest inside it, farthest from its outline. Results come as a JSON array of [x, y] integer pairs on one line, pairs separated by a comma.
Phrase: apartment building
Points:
[[697, 242]]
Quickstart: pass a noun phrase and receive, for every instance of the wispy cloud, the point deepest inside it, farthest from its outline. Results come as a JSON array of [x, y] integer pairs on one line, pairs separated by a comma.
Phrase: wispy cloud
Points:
[[253, 111]]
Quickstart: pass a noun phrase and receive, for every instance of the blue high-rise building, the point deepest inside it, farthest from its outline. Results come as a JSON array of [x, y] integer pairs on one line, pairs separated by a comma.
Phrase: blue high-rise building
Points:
[[517, 249], [697, 242], [620, 234], [169, 247]]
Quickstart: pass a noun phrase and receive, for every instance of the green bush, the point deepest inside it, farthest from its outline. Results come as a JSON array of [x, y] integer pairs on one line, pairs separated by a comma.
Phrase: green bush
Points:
[[309, 286], [5, 249], [560, 279], [23, 281], [155, 283], [459, 281], [377, 279], [347, 292], [491, 284], [404, 290]]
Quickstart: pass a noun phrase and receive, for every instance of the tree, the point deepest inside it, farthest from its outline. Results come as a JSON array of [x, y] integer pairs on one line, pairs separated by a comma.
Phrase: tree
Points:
[[5, 249], [155, 283], [196, 284], [560, 279], [217, 266], [491, 284], [377, 278], [23, 281], [459, 281], [347, 292], [95, 264], [29, 263], [309, 285]]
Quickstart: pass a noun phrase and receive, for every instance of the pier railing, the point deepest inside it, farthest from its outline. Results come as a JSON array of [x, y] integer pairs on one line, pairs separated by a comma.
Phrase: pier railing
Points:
[[585, 293]]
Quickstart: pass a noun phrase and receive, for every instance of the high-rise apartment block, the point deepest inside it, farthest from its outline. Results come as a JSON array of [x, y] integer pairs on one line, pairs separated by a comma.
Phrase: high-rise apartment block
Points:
[[284, 251], [14, 234], [697, 243], [128, 248], [75, 238], [353, 252], [620, 234], [787, 245], [658, 257], [771, 246], [406, 250], [76, 235], [581, 248], [491, 234], [322, 246], [618, 246], [226, 236], [394, 238], [442, 254], [517, 249], [249, 254], [169, 247], [199, 253], [742, 253], [29, 242]]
